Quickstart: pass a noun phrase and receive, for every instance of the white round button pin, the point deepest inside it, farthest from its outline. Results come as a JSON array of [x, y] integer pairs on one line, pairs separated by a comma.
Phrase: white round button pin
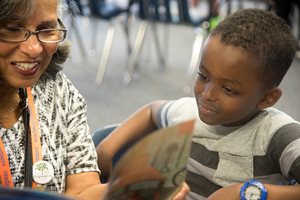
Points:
[[43, 172]]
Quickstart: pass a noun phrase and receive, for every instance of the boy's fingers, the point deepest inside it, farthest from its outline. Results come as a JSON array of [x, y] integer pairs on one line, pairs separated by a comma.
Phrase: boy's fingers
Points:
[[182, 194]]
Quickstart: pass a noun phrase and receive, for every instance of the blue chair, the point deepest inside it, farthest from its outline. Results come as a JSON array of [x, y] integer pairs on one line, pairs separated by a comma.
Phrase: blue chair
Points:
[[28, 194], [149, 15], [99, 10], [150, 9], [100, 134], [75, 9], [108, 11], [202, 26]]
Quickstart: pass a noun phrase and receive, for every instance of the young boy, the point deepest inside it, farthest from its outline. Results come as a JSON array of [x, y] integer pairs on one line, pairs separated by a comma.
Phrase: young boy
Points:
[[242, 147]]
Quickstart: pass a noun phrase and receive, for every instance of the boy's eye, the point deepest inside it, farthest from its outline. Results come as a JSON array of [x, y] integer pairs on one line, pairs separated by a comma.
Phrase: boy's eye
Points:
[[229, 91], [202, 76]]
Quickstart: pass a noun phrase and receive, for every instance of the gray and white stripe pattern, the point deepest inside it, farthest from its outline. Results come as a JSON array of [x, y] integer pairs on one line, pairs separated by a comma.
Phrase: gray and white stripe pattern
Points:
[[266, 148]]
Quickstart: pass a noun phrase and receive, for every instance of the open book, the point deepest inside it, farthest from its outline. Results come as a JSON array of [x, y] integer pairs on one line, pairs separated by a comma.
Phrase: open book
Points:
[[154, 167]]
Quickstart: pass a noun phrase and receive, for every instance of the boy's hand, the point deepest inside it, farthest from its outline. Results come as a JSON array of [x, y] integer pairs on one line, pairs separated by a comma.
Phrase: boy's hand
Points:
[[182, 194], [104, 161]]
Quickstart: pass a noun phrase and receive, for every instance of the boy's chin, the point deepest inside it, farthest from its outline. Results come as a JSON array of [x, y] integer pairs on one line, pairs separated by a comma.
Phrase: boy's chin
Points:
[[208, 121]]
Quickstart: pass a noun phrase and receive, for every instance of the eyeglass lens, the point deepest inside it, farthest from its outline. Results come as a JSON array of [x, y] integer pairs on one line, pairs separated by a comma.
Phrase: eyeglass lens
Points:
[[45, 35]]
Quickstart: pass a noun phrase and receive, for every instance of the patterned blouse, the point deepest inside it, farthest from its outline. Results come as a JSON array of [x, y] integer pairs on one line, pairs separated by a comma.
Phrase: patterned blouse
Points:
[[65, 138]]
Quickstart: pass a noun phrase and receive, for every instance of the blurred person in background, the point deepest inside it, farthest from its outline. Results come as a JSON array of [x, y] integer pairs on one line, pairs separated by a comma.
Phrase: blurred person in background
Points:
[[285, 9]]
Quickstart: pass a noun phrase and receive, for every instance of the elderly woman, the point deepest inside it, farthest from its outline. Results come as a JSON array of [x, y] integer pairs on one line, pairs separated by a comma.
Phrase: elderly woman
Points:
[[52, 151]]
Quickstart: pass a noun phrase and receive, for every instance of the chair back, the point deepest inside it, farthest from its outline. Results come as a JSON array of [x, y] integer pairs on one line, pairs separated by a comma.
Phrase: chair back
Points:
[[76, 7], [164, 10], [106, 10], [95, 5], [151, 10], [186, 16]]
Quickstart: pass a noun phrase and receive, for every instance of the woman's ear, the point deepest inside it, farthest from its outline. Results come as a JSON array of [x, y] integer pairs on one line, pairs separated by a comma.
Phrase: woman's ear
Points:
[[270, 98]]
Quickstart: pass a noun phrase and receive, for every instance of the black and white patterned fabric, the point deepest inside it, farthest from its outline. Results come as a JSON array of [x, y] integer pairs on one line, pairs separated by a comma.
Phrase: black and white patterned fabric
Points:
[[65, 137]]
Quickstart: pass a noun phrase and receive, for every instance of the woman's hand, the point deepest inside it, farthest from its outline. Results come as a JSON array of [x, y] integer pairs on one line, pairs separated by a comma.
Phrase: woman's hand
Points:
[[83, 190]]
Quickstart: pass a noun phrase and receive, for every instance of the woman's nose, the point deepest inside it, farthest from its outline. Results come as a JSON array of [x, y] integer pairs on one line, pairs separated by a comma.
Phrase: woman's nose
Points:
[[32, 46]]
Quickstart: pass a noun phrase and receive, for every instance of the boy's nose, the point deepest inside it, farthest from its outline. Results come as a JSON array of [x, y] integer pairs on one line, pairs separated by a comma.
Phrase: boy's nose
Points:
[[208, 92]]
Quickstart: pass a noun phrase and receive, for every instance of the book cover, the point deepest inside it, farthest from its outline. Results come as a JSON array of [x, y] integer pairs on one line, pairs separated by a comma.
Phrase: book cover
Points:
[[154, 167]]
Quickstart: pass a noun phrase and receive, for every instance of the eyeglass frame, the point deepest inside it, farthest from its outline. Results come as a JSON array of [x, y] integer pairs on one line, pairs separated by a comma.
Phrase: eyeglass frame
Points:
[[29, 33]]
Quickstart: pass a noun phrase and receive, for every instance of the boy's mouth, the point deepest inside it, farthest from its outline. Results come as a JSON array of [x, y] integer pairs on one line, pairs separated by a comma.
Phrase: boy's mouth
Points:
[[206, 110]]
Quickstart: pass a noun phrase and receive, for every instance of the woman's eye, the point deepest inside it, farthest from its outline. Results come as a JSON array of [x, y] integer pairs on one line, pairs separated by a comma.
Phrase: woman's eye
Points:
[[12, 29], [46, 28]]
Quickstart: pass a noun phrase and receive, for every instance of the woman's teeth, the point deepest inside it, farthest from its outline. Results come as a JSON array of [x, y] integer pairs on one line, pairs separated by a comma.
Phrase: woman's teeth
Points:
[[26, 66]]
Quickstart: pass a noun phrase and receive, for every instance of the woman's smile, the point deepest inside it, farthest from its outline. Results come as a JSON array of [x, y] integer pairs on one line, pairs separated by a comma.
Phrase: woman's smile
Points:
[[25, 68]]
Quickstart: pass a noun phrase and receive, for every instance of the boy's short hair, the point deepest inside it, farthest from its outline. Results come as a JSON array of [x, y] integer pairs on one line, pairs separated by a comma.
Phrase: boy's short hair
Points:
[[264, 35]]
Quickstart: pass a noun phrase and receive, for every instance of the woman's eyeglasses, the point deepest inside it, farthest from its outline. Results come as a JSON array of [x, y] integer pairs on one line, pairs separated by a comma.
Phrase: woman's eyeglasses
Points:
[[16, 35]]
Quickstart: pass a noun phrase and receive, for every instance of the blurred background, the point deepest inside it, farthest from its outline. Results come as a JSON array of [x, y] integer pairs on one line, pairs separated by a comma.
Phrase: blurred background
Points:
[[126, 53]]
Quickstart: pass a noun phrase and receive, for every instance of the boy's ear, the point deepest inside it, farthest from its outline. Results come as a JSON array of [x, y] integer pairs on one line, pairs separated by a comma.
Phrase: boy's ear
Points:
[[270, 98]]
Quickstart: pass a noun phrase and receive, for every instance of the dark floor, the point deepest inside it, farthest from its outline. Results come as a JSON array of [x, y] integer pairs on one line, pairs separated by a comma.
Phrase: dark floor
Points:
[[112, 102]]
